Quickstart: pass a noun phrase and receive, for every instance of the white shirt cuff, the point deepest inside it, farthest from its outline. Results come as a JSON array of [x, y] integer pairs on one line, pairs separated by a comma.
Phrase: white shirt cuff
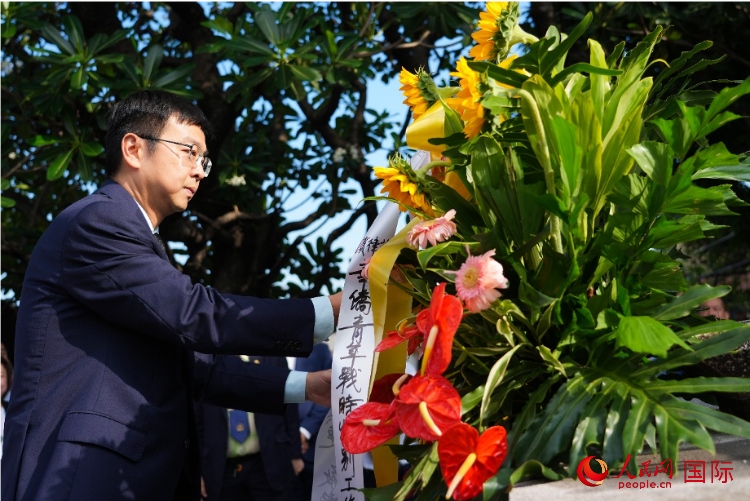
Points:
[[294, 387], [305, 433], [323, 319]]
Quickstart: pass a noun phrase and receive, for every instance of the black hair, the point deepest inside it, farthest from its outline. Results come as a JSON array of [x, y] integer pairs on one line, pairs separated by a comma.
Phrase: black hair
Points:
[[146, 113]]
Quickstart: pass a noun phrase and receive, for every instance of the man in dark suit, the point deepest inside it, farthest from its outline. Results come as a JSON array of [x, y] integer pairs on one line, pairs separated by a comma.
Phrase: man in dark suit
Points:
[[113, 343], [311, 417], [250, 458]]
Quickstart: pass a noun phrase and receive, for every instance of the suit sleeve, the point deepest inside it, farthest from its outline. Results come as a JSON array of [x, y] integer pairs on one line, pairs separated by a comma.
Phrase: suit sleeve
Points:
[[109, 264], [227, 381]]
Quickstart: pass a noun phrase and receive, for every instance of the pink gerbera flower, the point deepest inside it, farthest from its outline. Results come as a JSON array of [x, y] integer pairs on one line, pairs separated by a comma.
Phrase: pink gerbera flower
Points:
[[477, 281], [435, 231]]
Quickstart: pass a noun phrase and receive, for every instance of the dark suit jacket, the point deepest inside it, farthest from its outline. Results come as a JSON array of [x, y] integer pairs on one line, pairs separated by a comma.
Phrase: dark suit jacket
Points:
[[278, 437], [311, 416], [112, 345]]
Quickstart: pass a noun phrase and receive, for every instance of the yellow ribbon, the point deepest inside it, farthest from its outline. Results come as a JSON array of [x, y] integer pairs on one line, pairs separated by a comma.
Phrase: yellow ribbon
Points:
[[390, 305], [430, 125]]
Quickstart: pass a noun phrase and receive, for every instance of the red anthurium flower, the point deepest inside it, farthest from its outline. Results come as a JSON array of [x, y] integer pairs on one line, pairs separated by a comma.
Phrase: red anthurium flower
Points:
[[426, 406], [384, 390], [368, 426], [402, 333], [467, 460], [439, 326]]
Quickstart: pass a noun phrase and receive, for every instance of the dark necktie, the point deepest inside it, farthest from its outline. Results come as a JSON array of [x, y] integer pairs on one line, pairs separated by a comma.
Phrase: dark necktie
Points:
[[239, 425], [161, 242]]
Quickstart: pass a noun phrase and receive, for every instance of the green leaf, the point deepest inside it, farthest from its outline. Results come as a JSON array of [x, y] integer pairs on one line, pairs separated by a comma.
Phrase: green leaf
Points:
[[495, 378], [655, 159], [305, 73], [58, 165], [551, 58], [645, 335], [711, 347], [673, 430], [687, 302], [550, 358], [57, 38], [442, 249], [726, 97], [173, 76], [501, 75], [701, 385], [550, 433], [384, 493], [582, 68], [739, 172], [92, 149], [471, 399], [154, 55], [266, 21], [6, 202], [708, 417], [639, 418], [532, 468]]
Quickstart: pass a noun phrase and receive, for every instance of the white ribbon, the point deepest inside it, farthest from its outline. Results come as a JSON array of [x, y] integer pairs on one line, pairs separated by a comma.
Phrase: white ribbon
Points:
[[338, 475]]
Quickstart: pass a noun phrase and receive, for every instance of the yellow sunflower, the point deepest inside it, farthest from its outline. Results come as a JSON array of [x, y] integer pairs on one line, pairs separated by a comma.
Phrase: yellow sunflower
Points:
[[498, 32], [419, 89], [401, 184], [467, 102]]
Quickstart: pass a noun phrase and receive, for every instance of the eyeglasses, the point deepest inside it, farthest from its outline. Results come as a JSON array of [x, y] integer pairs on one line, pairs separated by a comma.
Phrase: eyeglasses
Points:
[[200, 159]]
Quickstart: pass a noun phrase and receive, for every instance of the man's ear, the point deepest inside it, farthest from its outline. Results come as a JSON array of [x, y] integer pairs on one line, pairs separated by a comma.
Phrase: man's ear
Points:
[[133, 150]]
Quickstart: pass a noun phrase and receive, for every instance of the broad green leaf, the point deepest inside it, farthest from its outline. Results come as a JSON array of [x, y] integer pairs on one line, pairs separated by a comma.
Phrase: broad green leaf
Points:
[[39, 140], [550, 359], [701, 385], [6, 202], [305, 73], [708, 417], [687, 302], [616, 418], [645, 335], [507, 77], [710, 327], [472, 399], [442, 249], [495, 378], [726, 97], [58, 165], [154, 55], [623, 132], [739, 172], [552, 58], [92, 149], [532, 468], [655, 159], [550, 433], [582, 68], [53, 35], [173, 76], [711, 347], [266, 21], [696, 200], [384, 493], [590, 429], [673, 430], [639, 417]]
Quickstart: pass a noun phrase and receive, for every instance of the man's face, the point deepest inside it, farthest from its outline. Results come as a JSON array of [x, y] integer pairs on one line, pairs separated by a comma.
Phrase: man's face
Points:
[[172, 176], [715, 307]]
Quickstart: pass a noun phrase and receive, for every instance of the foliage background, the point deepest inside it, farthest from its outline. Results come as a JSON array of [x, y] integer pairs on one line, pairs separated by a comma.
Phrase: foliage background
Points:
[[285, 88]]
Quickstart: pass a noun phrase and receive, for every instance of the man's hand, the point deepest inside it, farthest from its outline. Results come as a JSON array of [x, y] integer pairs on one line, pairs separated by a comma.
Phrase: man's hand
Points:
[[298, 465], [303, 441], [318, 387], [336, 304]]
